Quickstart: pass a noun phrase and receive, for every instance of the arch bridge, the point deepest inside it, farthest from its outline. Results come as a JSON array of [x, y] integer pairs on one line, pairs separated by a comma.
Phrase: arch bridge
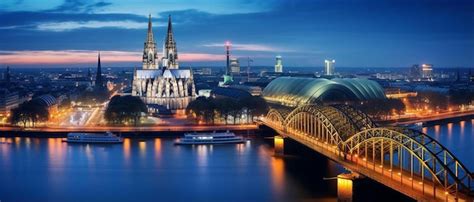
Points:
[[406, 160]]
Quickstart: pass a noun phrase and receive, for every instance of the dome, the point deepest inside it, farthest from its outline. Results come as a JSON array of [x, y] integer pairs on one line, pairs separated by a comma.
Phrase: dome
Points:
[[293, 91]]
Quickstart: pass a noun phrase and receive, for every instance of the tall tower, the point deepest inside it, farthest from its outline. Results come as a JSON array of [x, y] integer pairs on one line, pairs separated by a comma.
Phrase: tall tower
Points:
[[228, 77], [279, 64], [329, 67], [150, 56], [98, 77], [170, 52], [227, 49]]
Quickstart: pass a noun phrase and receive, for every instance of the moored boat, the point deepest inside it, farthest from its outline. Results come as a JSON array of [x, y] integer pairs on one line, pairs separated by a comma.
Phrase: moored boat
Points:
[[106, 137], [210, 138]]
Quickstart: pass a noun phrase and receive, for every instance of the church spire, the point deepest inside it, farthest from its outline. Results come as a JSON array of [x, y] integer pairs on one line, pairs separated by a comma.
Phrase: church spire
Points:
[[149, 51], [169, 35], [98, 78], [7, 75], [170, 52], [149, 36]]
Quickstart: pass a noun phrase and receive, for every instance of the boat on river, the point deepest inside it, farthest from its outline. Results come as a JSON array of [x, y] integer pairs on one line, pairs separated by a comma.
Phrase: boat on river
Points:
[[210, 138], [106, 137]]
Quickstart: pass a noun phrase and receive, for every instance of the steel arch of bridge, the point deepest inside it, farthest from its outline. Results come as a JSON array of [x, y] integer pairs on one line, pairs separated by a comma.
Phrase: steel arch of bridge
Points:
[[353, 134], [443, 167]]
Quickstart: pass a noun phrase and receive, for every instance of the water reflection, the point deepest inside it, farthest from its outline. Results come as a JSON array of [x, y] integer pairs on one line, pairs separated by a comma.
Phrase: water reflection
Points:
[[142, 147], [202, 152], [126, 149], [56, 160], [457, 137], [157, 148], [277, 166], [450, 129]]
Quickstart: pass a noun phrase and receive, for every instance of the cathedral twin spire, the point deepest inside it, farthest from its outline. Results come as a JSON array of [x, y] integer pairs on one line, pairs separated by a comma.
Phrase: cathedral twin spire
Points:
[[170, 52]]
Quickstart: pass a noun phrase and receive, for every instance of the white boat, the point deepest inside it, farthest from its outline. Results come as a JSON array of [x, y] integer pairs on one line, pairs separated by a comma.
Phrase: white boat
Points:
[[210, 138], [106, 137]]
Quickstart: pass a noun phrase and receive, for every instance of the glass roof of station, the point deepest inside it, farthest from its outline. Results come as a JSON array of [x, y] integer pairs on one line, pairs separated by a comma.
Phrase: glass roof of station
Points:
[[296, 90]]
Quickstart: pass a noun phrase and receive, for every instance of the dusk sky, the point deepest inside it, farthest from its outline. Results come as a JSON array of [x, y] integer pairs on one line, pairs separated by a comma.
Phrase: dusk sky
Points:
[[356, 33]]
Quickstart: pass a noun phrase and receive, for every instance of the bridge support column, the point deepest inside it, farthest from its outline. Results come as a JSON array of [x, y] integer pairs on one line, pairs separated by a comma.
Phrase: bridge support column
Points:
[[279, 145], [345, 186]]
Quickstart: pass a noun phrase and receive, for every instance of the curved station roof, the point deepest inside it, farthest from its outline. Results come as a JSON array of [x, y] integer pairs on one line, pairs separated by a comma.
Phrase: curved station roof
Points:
[[292, 91]]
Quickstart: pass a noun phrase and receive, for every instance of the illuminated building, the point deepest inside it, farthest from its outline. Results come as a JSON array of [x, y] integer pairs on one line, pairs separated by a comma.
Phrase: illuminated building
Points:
[[8, 101], [427, 71], [329, 67], [294, 91], [168, 87], [279, 64], [234, 66]]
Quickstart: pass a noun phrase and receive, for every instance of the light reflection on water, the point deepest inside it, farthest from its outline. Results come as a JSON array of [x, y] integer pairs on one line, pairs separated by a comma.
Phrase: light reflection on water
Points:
[[458, 137]]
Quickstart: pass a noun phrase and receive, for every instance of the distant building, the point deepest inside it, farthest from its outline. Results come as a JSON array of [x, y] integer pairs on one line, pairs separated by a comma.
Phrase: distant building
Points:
[[329, 67], [232, 93], [279, 64], [8, 101], [253, 90], [471, 76], [427, 71], [234, 66], [415, 72], [204, 93], [206, 71]]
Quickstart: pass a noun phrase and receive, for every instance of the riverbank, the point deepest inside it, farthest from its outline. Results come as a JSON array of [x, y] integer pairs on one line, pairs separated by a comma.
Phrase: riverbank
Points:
[[433, 120], [132, 132]]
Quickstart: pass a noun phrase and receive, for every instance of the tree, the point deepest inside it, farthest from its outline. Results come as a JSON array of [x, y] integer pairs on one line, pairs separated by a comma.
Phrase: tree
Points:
[[29, 112], [205, 109], [254, 106], [382, 108], [434, 100], [202, 108], [124, 109], [460, 97]]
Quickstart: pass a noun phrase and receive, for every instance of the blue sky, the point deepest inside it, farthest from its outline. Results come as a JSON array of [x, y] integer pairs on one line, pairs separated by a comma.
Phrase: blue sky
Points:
[[356, 33]]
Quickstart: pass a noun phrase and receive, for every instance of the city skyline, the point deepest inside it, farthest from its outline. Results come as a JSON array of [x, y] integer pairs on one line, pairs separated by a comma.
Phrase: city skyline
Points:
[[357, 34]]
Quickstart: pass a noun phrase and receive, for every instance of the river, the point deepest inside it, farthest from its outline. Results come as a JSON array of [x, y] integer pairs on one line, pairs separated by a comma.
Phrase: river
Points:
[[154, 169]]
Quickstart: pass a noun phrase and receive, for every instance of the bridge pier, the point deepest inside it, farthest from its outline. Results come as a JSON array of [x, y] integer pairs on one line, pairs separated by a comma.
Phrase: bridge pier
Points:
[[279, 145], [345, 186]]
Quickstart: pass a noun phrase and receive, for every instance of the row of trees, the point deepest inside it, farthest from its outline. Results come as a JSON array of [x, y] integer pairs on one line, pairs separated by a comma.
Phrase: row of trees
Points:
[[125, 109], [211, 110], [439, 101], [29, 113], [381, 109]]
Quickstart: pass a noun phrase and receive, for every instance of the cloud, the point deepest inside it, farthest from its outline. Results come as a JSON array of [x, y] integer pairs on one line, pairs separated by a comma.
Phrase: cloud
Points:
[[249, 47], [71, 25], [37, 57], [80, 6]]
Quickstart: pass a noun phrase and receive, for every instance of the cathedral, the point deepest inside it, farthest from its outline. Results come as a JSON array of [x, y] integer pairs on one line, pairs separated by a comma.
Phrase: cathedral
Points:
[[160, 83]]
